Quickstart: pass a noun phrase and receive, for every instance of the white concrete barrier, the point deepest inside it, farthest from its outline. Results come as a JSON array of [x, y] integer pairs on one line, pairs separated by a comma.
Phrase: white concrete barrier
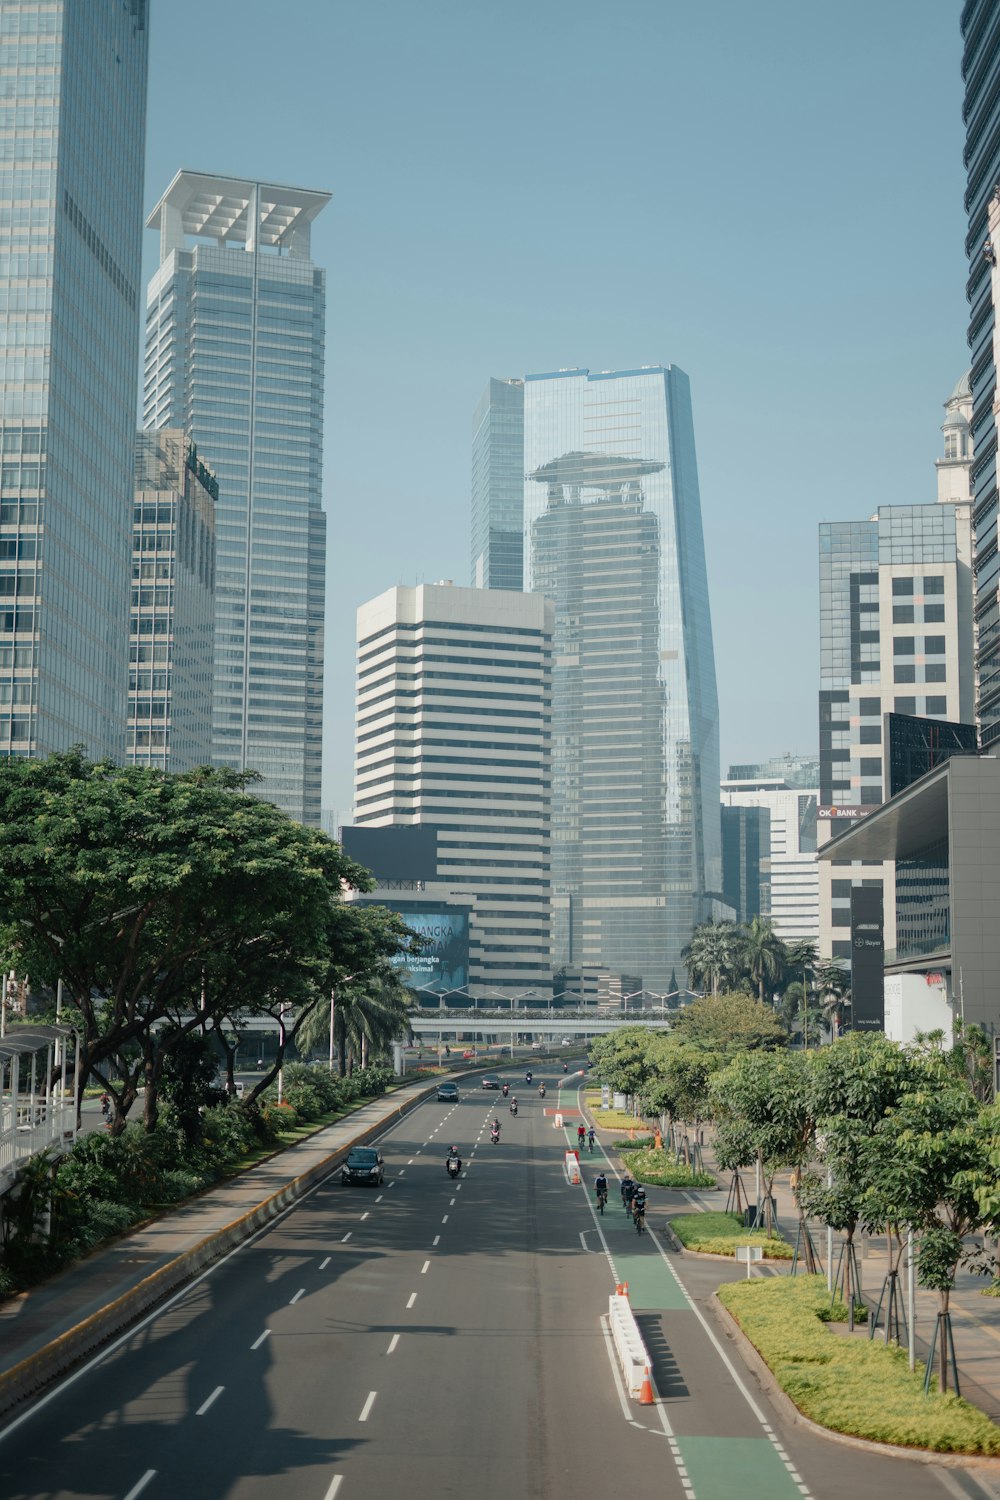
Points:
[[558, 1121], [572, 1167], [628, 1343]]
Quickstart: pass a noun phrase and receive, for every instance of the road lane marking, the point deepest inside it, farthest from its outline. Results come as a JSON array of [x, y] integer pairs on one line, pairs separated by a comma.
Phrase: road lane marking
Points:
[[366, 1409], [334, 1487], [258, 1341], [401, 1171], [149, 1474], [413, 1298], [393, 1182], [425, 1268], [324, 1263], [347, 1236], [410, 1162], [445, 1218], [364, 1216], [300, 1293], [392, 1343], [452, 1203], [203, 1408], [379, 1198], [436, 1241]]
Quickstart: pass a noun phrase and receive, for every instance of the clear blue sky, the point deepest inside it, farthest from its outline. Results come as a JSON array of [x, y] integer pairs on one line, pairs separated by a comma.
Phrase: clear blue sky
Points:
[[767, 193]]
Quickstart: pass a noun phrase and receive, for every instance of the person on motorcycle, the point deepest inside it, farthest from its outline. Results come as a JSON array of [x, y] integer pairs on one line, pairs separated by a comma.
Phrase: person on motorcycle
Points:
[[506, 1090], [541, 1091], [495, 1130], [628, 1188], [527, 1076], [453, 1161], [565, 1067], [601, 1187], [513, 1106]]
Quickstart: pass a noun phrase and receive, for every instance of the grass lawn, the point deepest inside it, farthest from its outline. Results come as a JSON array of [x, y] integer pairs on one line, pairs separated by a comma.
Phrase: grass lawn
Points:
[[719, 1234], [611, 1119], [660, 1170], [849, 1384]]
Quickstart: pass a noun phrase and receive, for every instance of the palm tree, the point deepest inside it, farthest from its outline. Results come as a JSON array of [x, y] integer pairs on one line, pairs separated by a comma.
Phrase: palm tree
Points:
[[710, 953], [833, 982], [764, 954], [367, 1018]]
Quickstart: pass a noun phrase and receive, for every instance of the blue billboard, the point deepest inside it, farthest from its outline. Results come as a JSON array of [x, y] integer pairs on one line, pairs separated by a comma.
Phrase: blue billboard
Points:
[[443, 963]]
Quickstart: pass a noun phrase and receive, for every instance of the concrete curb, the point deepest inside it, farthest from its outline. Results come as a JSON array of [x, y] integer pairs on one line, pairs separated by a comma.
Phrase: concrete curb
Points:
[[39, 1370], [752, 1357]]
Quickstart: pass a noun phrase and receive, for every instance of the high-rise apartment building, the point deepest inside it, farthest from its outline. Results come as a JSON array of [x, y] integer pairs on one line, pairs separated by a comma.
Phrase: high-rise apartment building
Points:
[[613, 536], [896, 636], [172, 628], [453, 733], [72, 139], [981, 113], [498, 487], [235, 326]]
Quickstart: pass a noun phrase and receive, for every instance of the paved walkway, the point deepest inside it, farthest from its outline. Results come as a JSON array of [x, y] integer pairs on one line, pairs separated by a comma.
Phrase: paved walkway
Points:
[[33, 1319], [975, 1317]]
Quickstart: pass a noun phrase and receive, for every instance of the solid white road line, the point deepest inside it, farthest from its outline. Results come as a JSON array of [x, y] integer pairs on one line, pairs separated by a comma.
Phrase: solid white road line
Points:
[[366, 1409], [435, 1241], [300, 1293], [258, 1341], [203, 1408], [324, 1263], [136, 1488], [334, 1487], [425, 1268], [413, 1298], [613, 1360], [392, 1343], [347, 1236]]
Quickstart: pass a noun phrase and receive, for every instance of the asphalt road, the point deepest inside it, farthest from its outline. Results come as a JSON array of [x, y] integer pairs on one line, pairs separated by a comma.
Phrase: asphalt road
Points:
[[436, 1339]]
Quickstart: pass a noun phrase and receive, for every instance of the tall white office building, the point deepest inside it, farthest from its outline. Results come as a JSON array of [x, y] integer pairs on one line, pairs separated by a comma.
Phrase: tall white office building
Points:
[[453, 732], [788, 846], [235, 330]]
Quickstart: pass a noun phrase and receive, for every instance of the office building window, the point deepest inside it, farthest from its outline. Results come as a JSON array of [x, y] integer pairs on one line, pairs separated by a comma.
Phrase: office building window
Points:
[[902, 614], [903, 645], [934, 706], [934, 585], [904, 705], [871, 795], [933, 645], [871, 765], [936, 672], [904, 674], [902, 587], [870, 734], [933, 614], [870, 708]]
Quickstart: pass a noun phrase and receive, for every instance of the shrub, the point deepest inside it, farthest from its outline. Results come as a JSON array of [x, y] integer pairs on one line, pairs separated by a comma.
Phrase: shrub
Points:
[[719, 1234], [850, 1384], [305, 1101], [660, 1170]]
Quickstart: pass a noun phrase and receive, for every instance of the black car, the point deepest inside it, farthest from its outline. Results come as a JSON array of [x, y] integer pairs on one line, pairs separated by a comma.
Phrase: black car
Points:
[[489, 1082], [363, 1164], [448, 1091]]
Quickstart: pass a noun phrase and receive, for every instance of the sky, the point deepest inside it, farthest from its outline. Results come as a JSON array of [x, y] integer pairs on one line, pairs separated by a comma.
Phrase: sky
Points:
[[767, 193]]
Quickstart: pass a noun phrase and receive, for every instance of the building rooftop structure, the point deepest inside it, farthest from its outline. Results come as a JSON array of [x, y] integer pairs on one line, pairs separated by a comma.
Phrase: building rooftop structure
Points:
[[235, 211]]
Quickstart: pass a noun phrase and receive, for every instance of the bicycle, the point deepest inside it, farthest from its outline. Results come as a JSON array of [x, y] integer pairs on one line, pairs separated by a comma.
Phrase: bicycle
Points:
[[640, 1220], [602, 1199]]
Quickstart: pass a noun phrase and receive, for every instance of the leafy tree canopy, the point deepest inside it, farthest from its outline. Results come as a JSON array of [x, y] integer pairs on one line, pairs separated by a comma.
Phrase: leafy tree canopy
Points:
[[728, 1024]]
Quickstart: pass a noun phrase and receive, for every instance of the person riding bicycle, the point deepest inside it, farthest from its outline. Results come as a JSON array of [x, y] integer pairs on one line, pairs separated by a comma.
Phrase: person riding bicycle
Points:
[[581, 1133], [638, 1202], [628, 1188], [601, 1187], [106, 1106], [590, 1137]]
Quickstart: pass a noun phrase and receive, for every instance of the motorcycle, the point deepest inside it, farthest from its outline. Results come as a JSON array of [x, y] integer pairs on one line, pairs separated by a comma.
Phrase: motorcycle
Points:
[[527, 1076], [541, 1091], [505, 1090], [565, 1067], [513, 1106], [495, 1134], [454, 1165]]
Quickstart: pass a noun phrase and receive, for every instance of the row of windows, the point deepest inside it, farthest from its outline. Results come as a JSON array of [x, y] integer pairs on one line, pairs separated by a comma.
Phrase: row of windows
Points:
[[906, 645], [901, 587], [931, 673]]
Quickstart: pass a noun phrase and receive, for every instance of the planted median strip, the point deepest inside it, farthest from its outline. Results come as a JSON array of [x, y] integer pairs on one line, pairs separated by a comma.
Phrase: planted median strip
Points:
[[720, 1234], [847, 1383], [658, 1169]]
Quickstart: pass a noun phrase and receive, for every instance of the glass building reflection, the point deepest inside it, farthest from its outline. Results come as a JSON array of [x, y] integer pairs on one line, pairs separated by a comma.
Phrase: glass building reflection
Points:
[[612, 529]]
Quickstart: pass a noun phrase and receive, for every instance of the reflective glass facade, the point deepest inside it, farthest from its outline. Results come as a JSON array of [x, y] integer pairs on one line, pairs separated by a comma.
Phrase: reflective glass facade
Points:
[[172, 627], [498, 487], [72, 100], [613, 536], [235, 333], [981, 113]]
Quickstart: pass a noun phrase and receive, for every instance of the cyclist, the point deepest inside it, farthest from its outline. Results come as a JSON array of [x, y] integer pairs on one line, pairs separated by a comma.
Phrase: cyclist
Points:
[[628, 1188], [590, 1139], [581, 1133], [601, 1189], [639, 1207]]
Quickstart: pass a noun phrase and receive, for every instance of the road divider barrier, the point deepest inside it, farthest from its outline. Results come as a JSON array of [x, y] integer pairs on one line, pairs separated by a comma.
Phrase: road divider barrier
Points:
[[572, 1168], [631, 1351], [558, 1120]]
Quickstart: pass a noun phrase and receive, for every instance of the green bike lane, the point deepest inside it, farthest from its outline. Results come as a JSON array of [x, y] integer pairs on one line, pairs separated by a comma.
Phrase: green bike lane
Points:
[[720, 1440]]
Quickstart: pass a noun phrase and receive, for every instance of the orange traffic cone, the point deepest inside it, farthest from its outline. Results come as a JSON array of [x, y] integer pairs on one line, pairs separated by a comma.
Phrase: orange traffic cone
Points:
[[624, 1289], [646, 1397]]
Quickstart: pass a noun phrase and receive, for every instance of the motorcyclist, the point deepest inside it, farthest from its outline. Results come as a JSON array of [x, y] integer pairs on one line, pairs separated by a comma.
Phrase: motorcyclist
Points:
[[513, 1106], [505, 1090], [453, 1161], [565, 1067], [541, 1091], [495, 1130], [527, 1076], [628, 1188]]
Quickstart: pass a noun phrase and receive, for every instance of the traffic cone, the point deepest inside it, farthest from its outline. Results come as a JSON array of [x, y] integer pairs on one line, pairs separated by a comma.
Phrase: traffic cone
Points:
[[624, 1289], [646, 1397]]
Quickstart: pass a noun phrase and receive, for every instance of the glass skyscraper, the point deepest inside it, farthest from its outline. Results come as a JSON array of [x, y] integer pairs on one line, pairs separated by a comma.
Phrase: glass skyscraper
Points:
[[72, 138], [613, 536], [235, 331], [498, 487]]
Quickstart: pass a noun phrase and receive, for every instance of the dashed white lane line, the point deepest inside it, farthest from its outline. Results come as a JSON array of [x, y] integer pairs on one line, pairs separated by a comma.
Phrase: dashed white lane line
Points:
[[366, 1409], [400, 1172], [413, 1298], [392, 1343], [324, 1263], [425, 1268], [203, 1408], [258, 1341], [136, 1488], [300, 1293], [364, 1216], [445, 1218], [436, 1241], [410, 1162], [393, 1182], [334, 1487], [379, 1198], [347, 1236], [452, 1203]]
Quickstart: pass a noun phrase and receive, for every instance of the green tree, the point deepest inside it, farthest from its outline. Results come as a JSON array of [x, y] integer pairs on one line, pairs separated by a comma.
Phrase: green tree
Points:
[[712, 954], [833, 985], [764, 954], [729, 1023], [763, 1110]]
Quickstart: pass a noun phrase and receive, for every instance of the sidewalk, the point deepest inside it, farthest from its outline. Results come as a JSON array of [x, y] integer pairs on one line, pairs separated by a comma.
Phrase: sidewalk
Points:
[[34, 1319]]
